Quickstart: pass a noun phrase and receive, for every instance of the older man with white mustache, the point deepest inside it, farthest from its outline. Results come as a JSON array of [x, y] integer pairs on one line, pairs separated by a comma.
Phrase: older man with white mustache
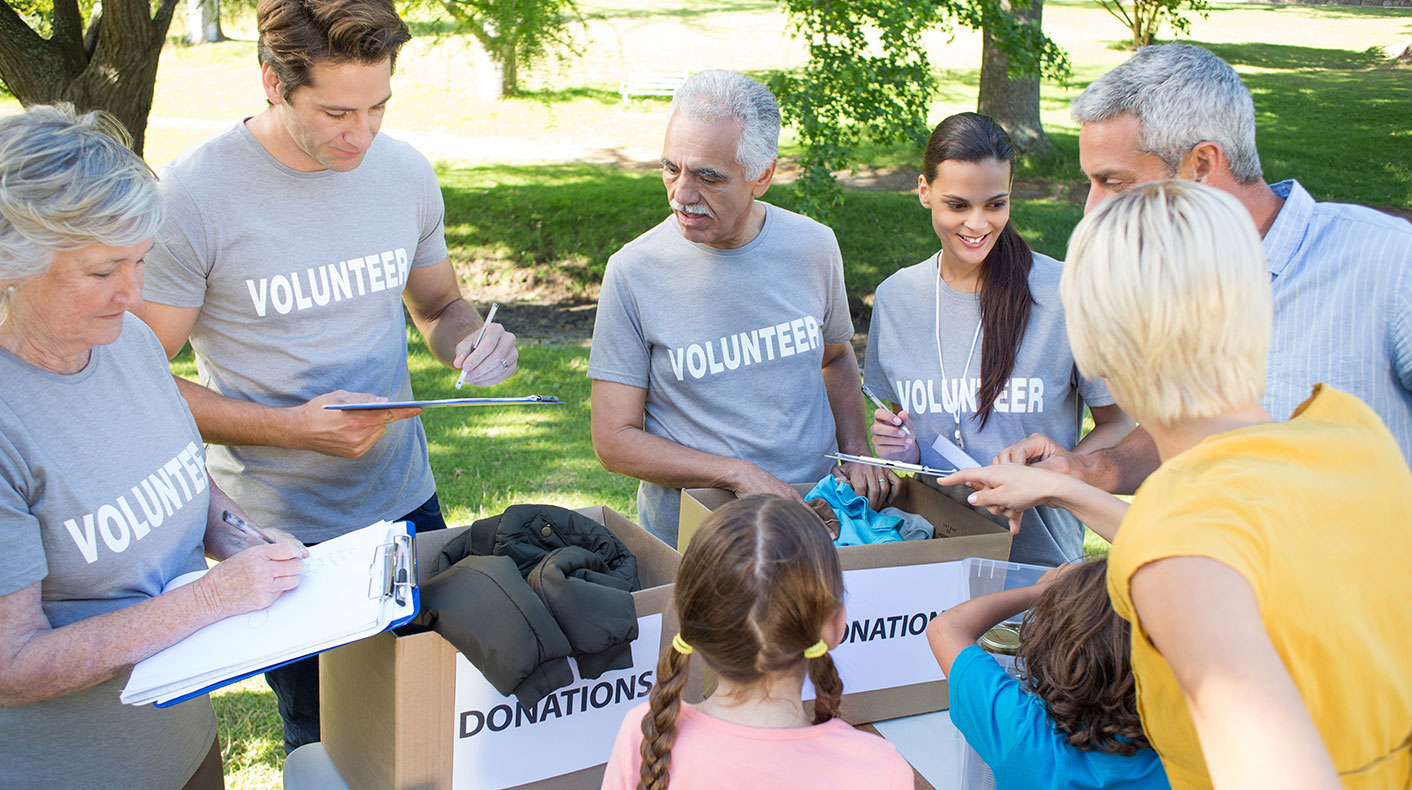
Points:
[[721, 353]]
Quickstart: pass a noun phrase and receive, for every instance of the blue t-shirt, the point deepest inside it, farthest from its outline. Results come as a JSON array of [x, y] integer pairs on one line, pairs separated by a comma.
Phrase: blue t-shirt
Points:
[[1009, 728]]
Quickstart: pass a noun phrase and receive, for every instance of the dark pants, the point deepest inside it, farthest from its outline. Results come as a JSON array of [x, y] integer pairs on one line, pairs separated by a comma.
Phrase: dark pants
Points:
[[296, 685], [210, 774]]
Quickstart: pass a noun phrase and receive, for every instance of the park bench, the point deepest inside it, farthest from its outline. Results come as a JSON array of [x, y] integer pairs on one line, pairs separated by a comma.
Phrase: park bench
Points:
[[651, 83]]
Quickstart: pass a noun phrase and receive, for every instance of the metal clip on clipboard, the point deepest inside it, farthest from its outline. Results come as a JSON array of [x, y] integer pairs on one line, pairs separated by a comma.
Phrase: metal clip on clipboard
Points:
[[393, 572]]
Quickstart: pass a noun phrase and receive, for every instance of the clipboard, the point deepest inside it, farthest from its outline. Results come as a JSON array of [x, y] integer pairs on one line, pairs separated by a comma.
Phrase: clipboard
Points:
[[360, 584], [527, 400], [898, 466]]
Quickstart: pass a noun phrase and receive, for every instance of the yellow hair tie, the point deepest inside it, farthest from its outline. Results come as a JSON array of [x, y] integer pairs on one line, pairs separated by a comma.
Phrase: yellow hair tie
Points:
[[680, 645], [815, 650]]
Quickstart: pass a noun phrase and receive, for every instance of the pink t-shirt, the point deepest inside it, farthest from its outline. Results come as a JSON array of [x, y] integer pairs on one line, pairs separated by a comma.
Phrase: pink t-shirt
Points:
[[710, 753]]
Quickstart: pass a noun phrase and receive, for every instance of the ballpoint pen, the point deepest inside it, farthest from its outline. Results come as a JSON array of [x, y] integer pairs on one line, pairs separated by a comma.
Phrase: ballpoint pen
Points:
[[245, 526], [875, 399], [490, 316]]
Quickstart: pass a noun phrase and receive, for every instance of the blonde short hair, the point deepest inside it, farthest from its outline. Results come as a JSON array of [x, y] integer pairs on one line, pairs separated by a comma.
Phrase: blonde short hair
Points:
[[1167, 295]]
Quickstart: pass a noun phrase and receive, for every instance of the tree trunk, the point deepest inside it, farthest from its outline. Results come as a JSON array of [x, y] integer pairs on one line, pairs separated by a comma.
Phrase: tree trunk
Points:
[[509, 69], [203, 22], [1014, 104], [116, 72]]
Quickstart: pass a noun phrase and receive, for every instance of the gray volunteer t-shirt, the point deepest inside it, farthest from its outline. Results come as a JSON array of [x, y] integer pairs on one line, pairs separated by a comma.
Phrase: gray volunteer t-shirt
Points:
[[103, 501], [299, 277], [729, 345], [1045, 394]]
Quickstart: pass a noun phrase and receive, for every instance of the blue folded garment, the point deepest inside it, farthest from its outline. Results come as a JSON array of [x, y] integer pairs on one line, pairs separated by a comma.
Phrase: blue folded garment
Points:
[[858, 524]]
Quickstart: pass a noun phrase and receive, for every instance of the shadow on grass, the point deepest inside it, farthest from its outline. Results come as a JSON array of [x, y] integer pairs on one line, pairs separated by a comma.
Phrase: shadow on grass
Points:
[[563, 95], [1334, 119], [1288, 58], [1329, 10], [684, 11], [567, 216]]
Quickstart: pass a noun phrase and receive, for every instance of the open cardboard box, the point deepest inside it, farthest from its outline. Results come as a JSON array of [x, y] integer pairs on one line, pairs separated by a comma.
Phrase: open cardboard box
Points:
[[411, 712], [892, 590]]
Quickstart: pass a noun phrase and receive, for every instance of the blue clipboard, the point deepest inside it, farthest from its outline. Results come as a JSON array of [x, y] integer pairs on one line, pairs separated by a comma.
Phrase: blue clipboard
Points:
[[392, 578], [527, 400]]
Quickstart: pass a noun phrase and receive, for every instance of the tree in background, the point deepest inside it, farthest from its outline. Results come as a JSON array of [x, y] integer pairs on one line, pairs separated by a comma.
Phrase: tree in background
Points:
[[515, 33], [65, 51], [1013, 101], [1144, 17], [868, 76], [203, 22]]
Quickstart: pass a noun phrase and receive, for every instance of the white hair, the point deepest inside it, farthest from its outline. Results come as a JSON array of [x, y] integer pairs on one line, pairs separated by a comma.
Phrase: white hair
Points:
[[1166, 294], [68, 181], [720, 93], [1182, 95]]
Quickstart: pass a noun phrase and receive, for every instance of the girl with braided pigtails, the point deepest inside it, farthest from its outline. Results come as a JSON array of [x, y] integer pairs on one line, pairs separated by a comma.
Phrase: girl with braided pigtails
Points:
[[760, 598]]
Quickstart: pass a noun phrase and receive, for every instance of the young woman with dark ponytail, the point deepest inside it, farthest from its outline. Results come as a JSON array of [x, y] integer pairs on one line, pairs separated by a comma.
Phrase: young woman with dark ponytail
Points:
[[969, 345], [760, 598]]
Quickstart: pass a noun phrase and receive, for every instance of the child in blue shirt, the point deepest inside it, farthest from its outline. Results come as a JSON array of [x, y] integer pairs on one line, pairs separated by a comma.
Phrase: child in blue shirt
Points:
[[1077, 725]]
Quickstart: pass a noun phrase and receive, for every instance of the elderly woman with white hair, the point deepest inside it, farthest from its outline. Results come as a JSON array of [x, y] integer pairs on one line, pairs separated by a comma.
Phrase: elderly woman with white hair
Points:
[[1265, 566], [104, 496]]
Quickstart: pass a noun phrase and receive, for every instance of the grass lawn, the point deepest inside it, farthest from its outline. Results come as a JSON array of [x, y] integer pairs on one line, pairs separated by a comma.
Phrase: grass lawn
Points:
[[1332, 115]]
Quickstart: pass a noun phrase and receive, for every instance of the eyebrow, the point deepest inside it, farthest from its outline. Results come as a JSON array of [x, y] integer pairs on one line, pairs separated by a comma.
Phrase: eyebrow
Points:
[[960, 199], [331, 108], [700, 171]]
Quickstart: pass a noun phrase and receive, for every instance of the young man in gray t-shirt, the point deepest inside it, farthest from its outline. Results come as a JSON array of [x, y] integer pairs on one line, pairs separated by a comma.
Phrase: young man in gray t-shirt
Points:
[[292, 244], [721, 353]]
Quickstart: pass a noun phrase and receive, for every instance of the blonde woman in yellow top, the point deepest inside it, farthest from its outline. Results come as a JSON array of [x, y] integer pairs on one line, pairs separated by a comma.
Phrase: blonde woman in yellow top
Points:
[[1266, 566]]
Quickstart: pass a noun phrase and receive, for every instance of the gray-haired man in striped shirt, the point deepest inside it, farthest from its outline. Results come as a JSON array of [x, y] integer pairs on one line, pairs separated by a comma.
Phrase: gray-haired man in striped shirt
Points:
[[1341, 275]]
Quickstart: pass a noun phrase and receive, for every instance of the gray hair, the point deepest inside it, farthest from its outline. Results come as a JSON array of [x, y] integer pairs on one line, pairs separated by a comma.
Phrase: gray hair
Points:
[[719, 93], [68, 181], [1182, 95]]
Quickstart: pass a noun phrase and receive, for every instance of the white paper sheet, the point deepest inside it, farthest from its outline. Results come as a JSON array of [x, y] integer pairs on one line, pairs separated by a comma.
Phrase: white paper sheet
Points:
[[330, 606]]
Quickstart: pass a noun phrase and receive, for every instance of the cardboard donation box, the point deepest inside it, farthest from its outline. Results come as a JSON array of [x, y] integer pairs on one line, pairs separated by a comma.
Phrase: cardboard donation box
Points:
[[892, 591], [411, 712]]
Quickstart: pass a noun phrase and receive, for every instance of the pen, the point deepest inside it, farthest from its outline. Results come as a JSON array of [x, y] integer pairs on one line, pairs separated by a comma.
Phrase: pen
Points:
[[490, 316], [875, 399], [244, 526]]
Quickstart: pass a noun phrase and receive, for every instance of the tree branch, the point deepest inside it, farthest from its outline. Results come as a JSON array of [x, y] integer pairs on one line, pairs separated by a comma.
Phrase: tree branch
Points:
[[68, 25], [24, 56], [469, 22], [162, 20], [15, 33]]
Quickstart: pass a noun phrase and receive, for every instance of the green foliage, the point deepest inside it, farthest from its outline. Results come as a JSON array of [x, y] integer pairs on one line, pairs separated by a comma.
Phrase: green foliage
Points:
[[868, 76], [1143, 17], [516, 33]]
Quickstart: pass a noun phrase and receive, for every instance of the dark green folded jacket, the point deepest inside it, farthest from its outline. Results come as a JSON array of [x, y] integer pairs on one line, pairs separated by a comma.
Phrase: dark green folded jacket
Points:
[[519, 592]]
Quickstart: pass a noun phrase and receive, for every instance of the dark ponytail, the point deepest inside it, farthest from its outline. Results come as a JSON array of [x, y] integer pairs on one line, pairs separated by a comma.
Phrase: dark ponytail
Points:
[[1005, 275], [828, 688], [659, 726]]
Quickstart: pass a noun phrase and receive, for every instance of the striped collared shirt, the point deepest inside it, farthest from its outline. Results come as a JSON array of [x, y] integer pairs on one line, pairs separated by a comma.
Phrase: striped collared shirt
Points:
[[1342, 282]]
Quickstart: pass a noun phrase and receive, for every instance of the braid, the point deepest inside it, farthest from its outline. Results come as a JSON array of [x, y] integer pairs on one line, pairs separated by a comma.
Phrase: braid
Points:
[[828, 687], [659, 726]]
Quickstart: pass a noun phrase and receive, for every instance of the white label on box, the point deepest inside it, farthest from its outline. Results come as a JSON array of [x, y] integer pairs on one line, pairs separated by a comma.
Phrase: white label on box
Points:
[[500, 743], [888, 610]]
